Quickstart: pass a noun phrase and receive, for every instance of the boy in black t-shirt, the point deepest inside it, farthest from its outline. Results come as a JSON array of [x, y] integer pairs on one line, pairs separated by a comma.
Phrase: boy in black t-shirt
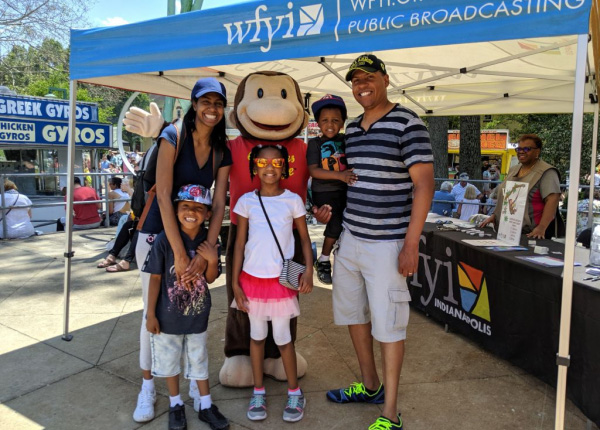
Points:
[[177, 317], [330, 174]]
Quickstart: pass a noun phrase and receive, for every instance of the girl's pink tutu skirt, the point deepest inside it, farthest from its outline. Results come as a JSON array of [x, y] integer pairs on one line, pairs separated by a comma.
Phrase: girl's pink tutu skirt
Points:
[[267, 298]]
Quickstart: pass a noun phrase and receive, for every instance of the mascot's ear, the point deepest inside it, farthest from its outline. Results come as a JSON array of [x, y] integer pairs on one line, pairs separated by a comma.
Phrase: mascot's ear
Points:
[[233, 118]]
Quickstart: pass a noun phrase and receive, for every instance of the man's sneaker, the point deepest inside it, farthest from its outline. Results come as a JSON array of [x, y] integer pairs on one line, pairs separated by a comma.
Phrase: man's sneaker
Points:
[[144, 411], [194, 393], [383, 423], [214, 418], [177, 419], [323, 271], [258, 407], [294, 408], [356, 392]]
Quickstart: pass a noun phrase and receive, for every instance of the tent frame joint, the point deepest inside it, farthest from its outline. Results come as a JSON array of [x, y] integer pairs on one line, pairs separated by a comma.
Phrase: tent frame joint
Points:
[[563, 360], [69, 254]]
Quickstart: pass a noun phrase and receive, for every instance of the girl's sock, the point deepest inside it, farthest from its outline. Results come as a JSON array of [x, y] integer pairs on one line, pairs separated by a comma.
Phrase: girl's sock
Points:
[[260, 390], [175, 400], [296, 392], [324, 257], [205, 402], [148, 384]]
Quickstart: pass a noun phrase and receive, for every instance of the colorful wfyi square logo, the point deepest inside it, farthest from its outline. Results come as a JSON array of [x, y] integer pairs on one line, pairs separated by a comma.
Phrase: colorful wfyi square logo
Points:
[[473, 291]]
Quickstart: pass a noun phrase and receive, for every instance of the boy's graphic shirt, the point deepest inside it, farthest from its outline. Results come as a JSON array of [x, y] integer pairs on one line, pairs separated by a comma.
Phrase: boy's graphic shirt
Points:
[[178, 310], [328, 154]]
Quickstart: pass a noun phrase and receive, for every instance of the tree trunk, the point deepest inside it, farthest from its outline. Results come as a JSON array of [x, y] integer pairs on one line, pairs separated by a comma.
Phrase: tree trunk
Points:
[[470, 146], [438, 131]]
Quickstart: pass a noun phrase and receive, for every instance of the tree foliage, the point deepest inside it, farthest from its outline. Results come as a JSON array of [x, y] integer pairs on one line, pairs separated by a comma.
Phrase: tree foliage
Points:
[[30, 22], [555, 132], [33, 71]]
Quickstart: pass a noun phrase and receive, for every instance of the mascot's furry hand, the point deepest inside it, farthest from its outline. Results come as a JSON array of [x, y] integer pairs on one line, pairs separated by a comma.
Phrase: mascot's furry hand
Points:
[[146, 124]]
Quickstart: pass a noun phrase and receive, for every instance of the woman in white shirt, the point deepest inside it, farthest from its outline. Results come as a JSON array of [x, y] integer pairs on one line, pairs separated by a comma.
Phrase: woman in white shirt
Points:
[[469, 205], [18, 218]]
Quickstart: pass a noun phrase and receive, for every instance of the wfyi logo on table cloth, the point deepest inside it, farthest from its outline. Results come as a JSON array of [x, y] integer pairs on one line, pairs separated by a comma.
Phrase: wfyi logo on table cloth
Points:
[[471, 305], [473, 299], [265, 25]]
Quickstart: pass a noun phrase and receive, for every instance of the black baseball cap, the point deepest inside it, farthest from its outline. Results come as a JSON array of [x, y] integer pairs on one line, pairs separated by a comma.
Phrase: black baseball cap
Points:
[[367, 63]]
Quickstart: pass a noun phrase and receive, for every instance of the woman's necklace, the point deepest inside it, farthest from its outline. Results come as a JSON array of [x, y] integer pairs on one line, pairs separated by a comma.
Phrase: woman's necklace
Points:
[[524, 173]]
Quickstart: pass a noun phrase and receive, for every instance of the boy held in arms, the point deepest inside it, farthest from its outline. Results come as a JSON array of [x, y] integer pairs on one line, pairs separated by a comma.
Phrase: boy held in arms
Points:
[[330, 174], [177, 317]]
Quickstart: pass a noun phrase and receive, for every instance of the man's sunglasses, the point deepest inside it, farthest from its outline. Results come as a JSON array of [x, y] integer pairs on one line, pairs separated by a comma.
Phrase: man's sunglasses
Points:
[[525, 149], [264, 162]]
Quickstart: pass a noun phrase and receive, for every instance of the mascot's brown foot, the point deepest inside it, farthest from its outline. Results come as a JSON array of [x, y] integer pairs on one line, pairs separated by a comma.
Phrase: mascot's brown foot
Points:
[[274, 367], [237, 370]]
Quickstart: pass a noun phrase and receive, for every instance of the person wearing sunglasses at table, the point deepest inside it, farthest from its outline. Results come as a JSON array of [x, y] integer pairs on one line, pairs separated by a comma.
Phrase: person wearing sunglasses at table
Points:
[[544, 189]]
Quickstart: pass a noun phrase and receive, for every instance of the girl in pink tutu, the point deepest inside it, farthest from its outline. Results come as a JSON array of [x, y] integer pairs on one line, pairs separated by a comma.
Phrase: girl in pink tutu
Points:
[[257, 264]]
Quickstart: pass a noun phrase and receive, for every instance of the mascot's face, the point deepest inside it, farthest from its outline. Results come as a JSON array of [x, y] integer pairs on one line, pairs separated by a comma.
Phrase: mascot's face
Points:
[[270, 108]]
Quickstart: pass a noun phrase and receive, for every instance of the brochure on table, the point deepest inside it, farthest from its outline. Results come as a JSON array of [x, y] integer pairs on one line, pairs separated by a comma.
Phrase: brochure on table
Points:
[[511, 215]]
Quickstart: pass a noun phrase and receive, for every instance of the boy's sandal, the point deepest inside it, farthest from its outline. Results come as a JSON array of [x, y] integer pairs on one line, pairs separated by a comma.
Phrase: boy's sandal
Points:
[[117, 268], [108, 261]]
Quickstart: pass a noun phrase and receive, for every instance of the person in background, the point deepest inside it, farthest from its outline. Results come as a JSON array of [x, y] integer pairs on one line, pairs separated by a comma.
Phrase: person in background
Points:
[[458, 191], [444, 193], [18, 219], [116, 209], [494, 175], [469, 205], [544, 190], [85, 215]]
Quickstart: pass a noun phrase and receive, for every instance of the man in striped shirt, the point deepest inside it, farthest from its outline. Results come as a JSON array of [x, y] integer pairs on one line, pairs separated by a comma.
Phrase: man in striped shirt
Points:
[[388, 147]]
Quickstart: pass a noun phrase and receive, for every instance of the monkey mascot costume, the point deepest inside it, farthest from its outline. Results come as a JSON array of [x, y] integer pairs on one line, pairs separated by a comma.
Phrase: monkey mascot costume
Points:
[[268, 109]]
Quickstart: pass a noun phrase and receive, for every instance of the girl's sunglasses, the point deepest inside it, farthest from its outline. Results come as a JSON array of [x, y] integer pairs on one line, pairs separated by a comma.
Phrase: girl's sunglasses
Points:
[[264, 162]]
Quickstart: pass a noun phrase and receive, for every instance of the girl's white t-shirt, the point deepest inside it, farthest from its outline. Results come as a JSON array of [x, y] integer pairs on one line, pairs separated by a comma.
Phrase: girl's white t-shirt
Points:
[[119, 205], [261, 256]]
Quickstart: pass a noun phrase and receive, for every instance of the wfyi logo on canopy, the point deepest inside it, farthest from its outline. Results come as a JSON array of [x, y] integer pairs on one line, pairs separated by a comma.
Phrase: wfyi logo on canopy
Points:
[[266, 25]]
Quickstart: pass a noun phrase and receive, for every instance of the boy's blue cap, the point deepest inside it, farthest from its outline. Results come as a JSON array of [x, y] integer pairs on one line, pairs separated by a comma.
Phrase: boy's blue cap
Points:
[[329, 100], [208, 85], [194, 193]]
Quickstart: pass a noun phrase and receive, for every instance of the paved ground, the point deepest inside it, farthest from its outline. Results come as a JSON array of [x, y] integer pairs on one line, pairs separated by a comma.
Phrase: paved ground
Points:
[[92, 382]]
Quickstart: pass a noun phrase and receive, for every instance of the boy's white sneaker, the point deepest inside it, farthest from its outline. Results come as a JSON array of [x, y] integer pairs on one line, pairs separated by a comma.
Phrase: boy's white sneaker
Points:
[[144, 411], [194, 393]]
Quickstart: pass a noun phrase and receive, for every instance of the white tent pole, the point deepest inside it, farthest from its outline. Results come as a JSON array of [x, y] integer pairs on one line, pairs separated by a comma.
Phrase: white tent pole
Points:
[[593, 168], [69, 210], [562, 358]]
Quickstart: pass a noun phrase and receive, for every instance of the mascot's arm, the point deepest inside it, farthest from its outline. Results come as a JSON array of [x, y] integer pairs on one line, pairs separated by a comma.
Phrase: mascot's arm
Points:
[[164, 185], [146, 124], [238, 257]]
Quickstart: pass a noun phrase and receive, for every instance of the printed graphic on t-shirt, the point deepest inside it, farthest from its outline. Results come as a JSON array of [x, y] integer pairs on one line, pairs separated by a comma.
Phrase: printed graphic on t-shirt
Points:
[[333, 157], [184, 301]]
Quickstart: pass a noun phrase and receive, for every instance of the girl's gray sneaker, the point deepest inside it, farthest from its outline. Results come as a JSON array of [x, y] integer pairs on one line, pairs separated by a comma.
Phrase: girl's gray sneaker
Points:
[[294, 409], [258, 407]]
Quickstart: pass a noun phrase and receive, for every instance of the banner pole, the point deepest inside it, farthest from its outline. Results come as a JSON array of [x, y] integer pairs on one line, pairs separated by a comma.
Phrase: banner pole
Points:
[[563, 358]]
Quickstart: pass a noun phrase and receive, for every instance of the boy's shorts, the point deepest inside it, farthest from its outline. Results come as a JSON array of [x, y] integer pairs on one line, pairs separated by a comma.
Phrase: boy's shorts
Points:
[[168, 348], [368, 287], [337, 201]]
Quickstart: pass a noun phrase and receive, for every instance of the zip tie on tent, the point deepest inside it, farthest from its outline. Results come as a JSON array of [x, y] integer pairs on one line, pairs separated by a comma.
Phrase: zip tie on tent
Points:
[[563, 361], [463, 70], [69, 254]]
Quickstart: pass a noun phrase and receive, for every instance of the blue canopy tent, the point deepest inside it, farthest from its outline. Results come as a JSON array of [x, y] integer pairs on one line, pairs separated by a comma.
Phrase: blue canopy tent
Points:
[[444, 57]]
